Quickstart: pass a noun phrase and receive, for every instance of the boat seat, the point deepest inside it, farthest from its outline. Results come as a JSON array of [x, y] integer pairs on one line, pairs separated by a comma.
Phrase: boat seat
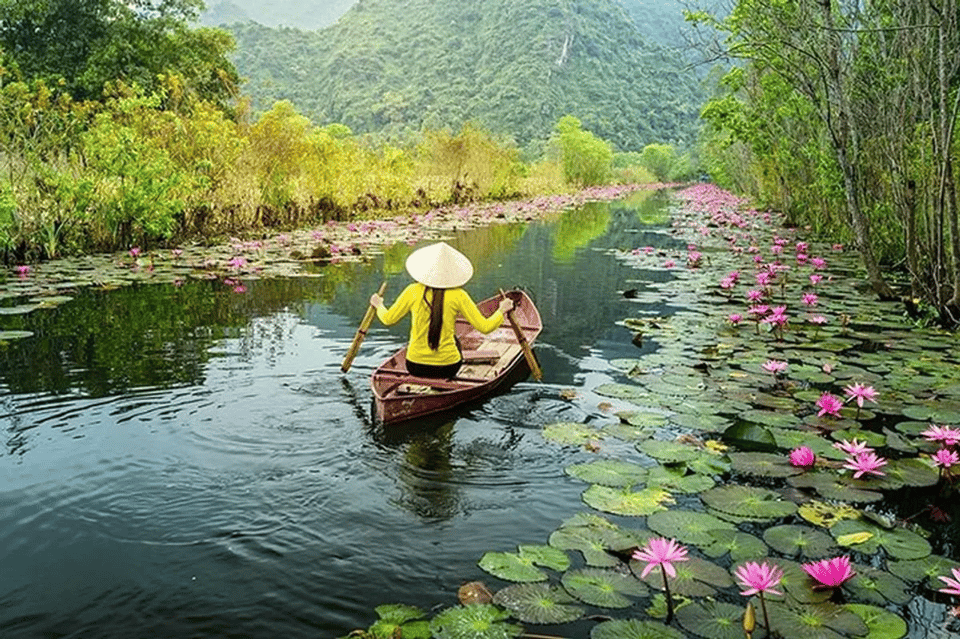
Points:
[[485, 372], [481, 357]]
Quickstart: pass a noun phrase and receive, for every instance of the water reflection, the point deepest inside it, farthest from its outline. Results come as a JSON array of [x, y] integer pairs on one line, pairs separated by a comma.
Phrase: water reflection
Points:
[[192, 460]]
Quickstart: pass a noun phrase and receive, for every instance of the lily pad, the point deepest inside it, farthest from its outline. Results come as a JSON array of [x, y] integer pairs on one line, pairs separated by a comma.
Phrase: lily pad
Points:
[[400, 620], [927, 569], [748, 503], [800, 541], [678, 480], [603, 588], [750, 437], [867, 537], [539, 603], [570, 433], [814, 621], [668, 452], [621, 391], [696, 577], [633, 629], [833, 486], [763, 464], [687, 526], [546, 556], [912, 471], [702, 420], [511, 567], [621, 501], [740, 545], [877, 587], [609, 472], [881, 624], [712, 620], [593, 536], [825, 515], [476, 621]]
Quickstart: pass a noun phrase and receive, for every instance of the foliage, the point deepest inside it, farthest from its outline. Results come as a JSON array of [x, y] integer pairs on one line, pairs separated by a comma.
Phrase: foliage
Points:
[[513, 67], [88, 45], [586, 159], [844, 117]]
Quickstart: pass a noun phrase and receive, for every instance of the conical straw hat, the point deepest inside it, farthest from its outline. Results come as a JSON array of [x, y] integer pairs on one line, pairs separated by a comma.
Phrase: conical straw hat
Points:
[[439, 266]]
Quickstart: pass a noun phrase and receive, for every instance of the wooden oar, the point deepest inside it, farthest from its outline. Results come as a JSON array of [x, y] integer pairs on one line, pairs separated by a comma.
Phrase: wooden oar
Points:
[[524, 345], [361, 333]]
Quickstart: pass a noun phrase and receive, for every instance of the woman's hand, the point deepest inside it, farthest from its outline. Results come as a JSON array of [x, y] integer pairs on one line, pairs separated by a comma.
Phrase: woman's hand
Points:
[[506, 305], [376, 301]]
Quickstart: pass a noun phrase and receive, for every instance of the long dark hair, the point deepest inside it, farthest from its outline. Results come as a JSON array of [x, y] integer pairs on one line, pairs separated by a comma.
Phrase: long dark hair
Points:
[[436, 316]]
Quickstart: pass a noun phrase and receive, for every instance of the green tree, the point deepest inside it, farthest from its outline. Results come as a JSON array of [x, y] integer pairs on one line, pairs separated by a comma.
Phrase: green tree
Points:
[[88, 44], [585, 158]]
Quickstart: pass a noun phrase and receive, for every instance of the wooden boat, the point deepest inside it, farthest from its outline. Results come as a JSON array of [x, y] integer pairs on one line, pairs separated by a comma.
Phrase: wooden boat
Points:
[[489, 361]]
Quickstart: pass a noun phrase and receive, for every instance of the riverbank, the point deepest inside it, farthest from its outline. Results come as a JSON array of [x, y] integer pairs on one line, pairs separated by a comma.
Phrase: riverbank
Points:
[[284, 254]]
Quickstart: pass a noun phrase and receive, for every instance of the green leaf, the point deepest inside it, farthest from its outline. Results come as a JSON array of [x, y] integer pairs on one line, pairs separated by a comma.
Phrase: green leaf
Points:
[[633, 629], [748, 502], [476, 621], [696, 577], [626, 502], [898, 542], [603, 588], [763, 464], [668, 452], [571, 434], [800, 541], [712, 619], [814, 621], [511, 567], [687, 526], [740, 545], [538, 603], [609, 472], [546, 556], [881, 624]]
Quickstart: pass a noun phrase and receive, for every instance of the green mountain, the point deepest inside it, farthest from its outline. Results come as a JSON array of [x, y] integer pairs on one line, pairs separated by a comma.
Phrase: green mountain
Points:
[[515, 66]]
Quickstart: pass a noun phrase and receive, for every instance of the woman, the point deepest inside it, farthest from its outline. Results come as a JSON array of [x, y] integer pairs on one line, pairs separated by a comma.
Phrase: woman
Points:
[[433, 301]]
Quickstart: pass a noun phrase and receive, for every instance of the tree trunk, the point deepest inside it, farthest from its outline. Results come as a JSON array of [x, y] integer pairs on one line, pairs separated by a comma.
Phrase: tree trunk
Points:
[[844, 141]]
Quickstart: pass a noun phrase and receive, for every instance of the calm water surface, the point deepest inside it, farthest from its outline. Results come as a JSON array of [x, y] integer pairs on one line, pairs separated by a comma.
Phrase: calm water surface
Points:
[[191, 462]]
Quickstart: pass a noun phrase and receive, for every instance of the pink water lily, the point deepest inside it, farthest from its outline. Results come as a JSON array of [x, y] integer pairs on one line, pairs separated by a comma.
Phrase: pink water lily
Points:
[[861, 393], [866, 464], [774, 366], [946, 435], [660, 552], [810, 299], [802, 457], [946, 458], [854, 447], [735, 318], [758, 578], [829, 405], [953, 584], [830, 573]]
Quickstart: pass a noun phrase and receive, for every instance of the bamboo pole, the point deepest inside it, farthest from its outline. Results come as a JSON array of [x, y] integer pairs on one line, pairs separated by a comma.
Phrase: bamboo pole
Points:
[[524, 345], [361, 333]]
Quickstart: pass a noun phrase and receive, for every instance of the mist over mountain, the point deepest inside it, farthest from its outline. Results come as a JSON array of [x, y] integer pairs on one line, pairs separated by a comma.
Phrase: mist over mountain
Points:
[[308, 15], [658, 20], [393, 67]]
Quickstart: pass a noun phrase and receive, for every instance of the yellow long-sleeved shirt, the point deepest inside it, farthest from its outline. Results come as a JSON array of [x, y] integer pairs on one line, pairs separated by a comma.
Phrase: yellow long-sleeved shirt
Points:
[[455, 300]]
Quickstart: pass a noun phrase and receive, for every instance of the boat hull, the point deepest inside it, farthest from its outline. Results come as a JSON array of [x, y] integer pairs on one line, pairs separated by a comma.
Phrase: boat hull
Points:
[[491, 362]]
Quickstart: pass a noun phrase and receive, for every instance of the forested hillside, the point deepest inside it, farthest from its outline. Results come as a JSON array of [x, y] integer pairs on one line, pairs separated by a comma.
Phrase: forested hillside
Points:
[[514, 66], [660, 21]]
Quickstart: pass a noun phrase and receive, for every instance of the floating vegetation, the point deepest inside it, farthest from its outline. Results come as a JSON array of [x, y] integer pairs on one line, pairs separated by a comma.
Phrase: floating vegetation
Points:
[[603, 588], [539, 603]]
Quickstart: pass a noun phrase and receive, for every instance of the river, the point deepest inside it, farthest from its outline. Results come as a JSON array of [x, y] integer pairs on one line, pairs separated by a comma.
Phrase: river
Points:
[[187, 461]]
